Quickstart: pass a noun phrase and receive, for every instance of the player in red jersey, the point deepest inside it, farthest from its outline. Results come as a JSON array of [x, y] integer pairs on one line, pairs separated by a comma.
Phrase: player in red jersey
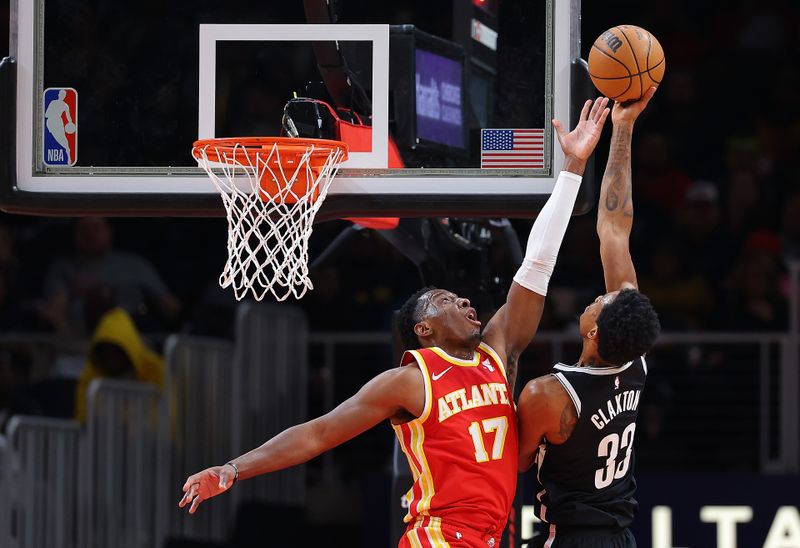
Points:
[[461, 448], [450, 402]]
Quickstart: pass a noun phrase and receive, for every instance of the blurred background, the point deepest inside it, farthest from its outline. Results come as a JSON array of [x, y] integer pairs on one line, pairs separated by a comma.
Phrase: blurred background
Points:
[[716, 243]]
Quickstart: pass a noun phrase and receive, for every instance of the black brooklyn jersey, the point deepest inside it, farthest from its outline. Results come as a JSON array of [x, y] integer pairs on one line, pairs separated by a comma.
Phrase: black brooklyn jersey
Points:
[[588, 480]]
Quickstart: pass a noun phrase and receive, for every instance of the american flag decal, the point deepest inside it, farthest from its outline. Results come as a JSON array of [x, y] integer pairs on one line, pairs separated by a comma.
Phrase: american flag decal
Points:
[[512, 148]]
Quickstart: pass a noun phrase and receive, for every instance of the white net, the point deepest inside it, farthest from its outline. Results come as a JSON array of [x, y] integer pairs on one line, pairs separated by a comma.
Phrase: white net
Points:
[[268, 231]]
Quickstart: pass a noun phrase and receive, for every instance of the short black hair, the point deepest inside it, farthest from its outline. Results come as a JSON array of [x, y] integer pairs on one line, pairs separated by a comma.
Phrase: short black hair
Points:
[[409, 316], [627, 327]]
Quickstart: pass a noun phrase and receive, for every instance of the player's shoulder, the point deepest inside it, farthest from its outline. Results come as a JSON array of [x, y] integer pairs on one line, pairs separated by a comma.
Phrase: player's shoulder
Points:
[[406, 370], [411, 357], [543, 402], [542, 389], [399, 381]]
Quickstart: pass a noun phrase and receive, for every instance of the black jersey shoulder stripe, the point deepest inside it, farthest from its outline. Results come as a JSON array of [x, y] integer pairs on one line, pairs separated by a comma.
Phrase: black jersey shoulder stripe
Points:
[[593, 370], [570, 390]]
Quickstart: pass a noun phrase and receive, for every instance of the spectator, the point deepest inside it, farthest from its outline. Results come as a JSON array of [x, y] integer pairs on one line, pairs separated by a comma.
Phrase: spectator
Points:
[[683, 298], [9, 310], [117, 351], [742, 205], [8, 259], [680, 114], [134, 281], [699, 233], [660, 184], [15, 314], [754, 301]]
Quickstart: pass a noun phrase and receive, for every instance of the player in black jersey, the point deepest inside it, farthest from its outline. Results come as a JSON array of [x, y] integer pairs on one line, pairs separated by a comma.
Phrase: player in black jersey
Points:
[[578, 424]]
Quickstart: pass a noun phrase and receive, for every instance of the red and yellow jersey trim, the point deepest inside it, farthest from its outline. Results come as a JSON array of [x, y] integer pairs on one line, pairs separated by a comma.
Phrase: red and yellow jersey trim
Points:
[[489, 350], [426, 377], [427, 531], [412, 434], [412, 438], [474, 362], [413, 447]]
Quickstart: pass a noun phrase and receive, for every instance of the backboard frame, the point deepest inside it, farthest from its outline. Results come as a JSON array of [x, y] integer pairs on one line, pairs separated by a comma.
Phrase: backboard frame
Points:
[[359, 192]]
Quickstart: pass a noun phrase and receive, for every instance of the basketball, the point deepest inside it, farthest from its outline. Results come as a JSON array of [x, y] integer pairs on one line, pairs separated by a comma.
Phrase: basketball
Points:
[[69, 127], [625, 61]]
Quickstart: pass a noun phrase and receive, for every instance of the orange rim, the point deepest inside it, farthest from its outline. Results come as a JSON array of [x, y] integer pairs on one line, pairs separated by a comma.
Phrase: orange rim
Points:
[[249, 152], [261, 147]]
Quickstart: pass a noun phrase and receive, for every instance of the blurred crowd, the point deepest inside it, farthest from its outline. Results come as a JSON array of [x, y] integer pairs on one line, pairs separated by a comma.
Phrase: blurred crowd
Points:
[[716, 194]]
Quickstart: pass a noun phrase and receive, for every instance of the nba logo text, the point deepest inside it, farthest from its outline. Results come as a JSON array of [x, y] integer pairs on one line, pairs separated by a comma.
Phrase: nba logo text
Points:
[[60, 127]]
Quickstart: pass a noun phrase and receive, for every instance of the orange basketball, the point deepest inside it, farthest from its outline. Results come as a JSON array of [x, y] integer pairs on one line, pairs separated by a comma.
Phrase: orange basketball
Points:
[[625, 61]]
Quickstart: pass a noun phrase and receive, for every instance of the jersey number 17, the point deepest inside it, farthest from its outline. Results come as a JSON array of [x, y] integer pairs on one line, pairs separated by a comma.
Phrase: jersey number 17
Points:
[[498, 425]]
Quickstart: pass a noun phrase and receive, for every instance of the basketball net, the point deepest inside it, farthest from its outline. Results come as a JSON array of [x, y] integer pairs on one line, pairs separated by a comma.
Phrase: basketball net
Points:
[[271, 189]]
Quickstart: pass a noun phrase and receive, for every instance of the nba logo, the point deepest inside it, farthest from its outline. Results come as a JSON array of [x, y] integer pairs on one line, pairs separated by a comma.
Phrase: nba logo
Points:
[[60, 129]]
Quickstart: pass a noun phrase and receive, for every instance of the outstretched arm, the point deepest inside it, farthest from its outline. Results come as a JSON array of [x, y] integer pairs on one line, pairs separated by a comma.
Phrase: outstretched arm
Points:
[[390, 394], [615, 210], [513, 326]]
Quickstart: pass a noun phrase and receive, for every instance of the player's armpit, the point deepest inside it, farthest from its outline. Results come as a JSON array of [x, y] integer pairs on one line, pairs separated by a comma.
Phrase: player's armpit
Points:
[[513, 326], [544, 411]]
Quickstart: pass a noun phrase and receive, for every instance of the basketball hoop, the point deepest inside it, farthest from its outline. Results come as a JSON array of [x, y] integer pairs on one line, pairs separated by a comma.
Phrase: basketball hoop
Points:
[[272, 188]]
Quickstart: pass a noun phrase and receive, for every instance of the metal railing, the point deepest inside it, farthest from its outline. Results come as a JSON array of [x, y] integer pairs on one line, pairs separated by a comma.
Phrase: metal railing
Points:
[[124, 477], [199, 409], [39, 484], [324, 360], [790, 380], [270, 386], [5, 490], [766, 371], [122, 472], [139, 443]]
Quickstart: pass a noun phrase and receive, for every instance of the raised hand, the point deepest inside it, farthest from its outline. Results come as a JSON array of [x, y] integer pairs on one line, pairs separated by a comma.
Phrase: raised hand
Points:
[[580, 142], [206, 484], [628, 112]]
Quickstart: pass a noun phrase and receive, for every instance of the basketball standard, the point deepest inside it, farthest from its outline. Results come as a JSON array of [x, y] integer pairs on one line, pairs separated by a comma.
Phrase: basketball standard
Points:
[[457, 101]]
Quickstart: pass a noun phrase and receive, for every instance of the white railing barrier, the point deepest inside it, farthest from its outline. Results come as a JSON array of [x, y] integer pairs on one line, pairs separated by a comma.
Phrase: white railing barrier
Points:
[[199, 409], [790, 376], [776, 445], [270, 383], [5, 491], [39, 485], [126, 486], [124, 466]]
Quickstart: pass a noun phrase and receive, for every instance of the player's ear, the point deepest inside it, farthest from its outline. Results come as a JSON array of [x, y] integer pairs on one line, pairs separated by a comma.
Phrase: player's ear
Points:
[[423, 329], [592, 334]]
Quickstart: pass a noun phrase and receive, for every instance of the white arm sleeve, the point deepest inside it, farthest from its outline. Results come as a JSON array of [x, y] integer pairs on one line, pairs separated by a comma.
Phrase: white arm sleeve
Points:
[[547, 233]]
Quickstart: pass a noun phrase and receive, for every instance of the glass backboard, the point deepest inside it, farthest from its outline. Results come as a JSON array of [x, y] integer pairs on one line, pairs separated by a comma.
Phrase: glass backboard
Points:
[[446, 105]]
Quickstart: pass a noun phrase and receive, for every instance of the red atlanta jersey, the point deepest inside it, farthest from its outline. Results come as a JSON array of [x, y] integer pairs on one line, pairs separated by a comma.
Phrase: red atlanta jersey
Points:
[[462, 449]]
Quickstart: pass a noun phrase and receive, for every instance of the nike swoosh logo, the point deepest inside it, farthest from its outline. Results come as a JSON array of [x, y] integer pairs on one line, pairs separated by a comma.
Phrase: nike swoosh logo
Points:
[[436, 377]]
